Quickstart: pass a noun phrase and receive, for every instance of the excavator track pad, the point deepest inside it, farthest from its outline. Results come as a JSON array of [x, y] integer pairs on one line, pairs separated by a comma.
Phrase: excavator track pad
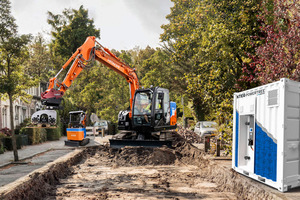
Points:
[[73, 143]]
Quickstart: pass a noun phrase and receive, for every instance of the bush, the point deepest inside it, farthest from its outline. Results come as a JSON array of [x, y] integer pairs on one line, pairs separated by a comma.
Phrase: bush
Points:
[[6, 131], [7, 142], [64, 129], [24, 139], [43, 135], [53, 133], [35, 135], [1, 147], [38, 135], [24, 124], [1, 143]]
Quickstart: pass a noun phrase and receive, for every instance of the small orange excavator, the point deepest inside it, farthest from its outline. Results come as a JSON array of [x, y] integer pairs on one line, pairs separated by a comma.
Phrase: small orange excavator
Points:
[[76, 131], [151, 114]]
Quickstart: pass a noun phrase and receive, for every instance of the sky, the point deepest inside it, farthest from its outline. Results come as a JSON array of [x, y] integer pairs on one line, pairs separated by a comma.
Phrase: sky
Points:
[[124, 24]]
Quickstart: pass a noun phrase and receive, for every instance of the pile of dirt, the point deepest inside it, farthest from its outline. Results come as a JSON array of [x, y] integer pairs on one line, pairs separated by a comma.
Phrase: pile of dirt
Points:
[[189, 135], [182, 152], [135, 156]]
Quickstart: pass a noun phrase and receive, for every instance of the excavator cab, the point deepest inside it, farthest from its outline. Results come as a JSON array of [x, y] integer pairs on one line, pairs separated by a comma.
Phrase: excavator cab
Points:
[[77, 119], [153, 116], [151, 111]]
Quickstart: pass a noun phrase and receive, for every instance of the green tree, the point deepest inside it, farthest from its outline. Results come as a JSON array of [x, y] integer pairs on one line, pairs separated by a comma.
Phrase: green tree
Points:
[[138, 57], [13, 52], [39, 64], [7, 25], [209, 42], [69, 31]]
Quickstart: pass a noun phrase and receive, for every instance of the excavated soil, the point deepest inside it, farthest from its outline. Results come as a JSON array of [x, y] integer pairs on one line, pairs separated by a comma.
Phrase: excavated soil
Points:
[[161, 173], [183, 172]]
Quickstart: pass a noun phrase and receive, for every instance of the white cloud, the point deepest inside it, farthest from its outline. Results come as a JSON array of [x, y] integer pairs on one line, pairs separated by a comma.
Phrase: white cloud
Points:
[[124, 24]]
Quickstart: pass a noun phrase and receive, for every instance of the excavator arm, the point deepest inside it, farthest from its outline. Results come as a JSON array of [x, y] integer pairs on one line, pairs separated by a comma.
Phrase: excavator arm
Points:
[[89, 51]]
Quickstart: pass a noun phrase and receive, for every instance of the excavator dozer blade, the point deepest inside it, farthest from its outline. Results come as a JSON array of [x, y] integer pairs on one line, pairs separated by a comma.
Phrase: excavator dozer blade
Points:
[[117, 143]]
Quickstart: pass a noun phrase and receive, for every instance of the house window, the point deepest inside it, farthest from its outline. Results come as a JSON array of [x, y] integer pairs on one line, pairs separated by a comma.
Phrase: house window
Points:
[[4, 117]]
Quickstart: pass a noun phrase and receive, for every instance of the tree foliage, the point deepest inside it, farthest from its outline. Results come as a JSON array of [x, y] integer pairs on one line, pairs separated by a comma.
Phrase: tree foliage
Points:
[[209, 42], [7, 21], [39, 63], [69, 31], [279, 55]]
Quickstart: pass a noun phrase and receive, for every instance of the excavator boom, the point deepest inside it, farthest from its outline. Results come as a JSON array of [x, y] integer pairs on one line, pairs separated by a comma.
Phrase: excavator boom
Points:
[[89, 51]]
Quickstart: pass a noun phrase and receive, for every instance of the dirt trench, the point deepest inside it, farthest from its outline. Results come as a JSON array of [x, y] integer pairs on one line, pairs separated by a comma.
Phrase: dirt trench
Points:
[[183, 172]]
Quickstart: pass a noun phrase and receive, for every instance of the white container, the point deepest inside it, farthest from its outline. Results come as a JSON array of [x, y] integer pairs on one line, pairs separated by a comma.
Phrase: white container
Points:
[[266, 134]]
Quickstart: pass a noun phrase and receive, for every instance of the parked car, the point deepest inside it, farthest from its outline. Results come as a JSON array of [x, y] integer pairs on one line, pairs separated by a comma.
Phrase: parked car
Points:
[[102, 124], [204, 128]]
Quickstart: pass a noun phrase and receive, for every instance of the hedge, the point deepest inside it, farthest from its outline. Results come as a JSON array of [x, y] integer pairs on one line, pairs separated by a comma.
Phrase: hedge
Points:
[[38, 135], [7, 142], [1, 146], [35, 135], [53, 133]]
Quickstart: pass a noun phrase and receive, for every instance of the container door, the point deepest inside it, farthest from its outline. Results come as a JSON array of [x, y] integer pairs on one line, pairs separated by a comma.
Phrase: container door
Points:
[[246, 150]]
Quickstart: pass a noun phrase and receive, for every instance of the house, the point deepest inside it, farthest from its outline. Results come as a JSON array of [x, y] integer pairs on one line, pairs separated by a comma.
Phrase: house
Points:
[[22, 110]]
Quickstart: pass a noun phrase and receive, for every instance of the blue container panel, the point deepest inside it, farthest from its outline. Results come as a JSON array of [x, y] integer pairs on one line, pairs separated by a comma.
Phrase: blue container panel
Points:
[[236, 137], [265, 156]]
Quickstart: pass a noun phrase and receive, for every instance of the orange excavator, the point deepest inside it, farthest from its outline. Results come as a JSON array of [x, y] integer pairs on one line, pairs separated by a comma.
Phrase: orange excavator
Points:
[[151, 114]]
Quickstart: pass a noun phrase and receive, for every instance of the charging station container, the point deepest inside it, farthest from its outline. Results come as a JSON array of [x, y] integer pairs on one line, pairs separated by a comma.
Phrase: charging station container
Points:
[[266, 134]]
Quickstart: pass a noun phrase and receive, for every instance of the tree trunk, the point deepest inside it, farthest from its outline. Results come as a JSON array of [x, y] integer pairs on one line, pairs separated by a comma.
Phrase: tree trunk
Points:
[[14, 143]]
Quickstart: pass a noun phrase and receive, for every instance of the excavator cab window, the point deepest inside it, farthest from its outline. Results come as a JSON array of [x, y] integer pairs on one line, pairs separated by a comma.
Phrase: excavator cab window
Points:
[[162, 107], [76, 119], [142, 108], [158, 112]]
